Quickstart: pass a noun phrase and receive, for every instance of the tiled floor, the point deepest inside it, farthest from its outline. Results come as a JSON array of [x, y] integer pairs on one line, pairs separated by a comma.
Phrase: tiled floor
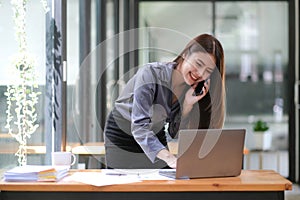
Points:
[[294, 194]]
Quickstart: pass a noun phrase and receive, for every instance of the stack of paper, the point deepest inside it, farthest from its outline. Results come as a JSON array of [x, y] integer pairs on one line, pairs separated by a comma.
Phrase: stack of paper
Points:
[[36, 173]]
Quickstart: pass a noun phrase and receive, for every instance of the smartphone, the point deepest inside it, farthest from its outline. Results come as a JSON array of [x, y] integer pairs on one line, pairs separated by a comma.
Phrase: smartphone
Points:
[[199, 88]]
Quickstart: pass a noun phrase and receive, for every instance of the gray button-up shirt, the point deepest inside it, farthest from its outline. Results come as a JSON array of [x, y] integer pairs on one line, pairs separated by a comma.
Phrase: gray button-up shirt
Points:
[[146, 103]]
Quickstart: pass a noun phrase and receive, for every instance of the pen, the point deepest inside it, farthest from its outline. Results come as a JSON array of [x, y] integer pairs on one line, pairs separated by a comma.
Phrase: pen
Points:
[[115, 174]]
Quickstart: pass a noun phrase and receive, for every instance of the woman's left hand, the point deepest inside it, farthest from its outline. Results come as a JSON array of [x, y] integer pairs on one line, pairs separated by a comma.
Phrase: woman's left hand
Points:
[[190, 99]]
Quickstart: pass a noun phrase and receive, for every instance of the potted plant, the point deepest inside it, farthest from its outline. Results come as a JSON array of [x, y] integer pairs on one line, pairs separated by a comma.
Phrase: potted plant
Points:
[[262, 135]]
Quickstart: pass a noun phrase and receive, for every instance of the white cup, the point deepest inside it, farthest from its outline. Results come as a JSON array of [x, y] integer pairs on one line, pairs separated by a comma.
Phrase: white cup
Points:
[[63, 158]]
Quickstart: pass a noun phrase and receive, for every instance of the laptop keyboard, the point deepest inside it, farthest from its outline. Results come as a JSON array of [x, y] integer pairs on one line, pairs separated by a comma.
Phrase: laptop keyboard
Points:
[[168, 173], [171, 174]]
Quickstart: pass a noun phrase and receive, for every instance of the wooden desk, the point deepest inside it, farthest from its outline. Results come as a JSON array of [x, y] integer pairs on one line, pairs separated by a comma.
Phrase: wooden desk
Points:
[[90, 149], [36, 149], [258, 185], [97, 148]]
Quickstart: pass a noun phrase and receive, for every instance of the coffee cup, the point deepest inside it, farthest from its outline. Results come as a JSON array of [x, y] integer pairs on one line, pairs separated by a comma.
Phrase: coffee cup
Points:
[[63, 158]]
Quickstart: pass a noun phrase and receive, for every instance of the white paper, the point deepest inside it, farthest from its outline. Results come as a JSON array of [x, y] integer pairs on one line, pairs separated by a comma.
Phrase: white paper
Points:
[[113, 177], [36, 173], [100, 179]]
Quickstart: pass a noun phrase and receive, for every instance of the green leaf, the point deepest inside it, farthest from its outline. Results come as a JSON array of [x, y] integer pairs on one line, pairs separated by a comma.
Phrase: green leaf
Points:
[[260, 125]]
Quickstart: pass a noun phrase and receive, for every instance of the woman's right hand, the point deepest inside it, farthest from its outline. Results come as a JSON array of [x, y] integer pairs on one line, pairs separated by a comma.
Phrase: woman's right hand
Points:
[[169, 158]]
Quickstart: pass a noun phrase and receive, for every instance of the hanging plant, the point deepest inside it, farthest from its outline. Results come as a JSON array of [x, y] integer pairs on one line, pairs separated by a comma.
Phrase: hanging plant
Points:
[[22, 96]]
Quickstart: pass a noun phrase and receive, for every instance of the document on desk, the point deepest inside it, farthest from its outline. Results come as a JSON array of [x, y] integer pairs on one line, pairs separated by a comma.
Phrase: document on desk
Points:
[[36, 173], [100, 178], [113, 177]]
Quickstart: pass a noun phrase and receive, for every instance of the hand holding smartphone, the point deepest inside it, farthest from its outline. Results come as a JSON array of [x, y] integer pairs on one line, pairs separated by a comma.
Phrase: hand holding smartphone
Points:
[[199, 89]]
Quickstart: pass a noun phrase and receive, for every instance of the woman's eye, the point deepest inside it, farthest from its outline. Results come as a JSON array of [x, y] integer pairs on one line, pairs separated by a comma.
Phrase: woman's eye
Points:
[[209, 70], [199, 64]]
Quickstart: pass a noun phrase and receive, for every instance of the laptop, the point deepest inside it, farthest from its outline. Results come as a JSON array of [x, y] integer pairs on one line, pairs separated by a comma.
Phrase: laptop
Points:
[[205, 153]]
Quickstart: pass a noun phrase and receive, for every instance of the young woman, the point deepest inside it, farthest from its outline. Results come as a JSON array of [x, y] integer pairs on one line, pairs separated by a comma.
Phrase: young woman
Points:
[[160, 99]]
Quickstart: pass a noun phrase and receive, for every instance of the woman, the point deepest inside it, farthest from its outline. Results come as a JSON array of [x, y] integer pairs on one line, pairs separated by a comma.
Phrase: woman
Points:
[[159, 100]]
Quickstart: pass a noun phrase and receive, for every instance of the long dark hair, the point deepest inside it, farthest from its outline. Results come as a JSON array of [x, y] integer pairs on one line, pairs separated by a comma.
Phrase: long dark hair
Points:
[[212, 107]]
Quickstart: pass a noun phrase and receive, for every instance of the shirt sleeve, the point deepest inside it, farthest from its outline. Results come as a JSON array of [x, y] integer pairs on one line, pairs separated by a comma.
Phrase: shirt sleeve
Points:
[[142, 113]]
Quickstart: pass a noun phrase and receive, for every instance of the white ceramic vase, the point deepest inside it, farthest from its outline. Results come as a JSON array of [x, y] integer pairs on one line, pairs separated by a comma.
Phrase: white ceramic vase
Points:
[[262, 140]]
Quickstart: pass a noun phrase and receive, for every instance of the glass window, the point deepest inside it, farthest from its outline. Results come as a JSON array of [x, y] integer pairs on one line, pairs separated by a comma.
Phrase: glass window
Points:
[[72, 70], [255, 39], [35, 29], [87, 24], [166, 27], [82, 72]]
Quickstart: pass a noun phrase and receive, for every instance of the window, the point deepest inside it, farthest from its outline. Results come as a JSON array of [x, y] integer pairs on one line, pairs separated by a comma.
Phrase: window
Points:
[[35, 27]]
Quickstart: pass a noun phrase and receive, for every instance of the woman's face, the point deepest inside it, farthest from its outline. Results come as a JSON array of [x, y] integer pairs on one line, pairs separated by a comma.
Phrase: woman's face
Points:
[[197, 67]]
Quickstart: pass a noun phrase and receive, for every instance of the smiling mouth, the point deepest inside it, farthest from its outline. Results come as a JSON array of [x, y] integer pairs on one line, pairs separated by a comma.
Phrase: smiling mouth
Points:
[[193, 77]]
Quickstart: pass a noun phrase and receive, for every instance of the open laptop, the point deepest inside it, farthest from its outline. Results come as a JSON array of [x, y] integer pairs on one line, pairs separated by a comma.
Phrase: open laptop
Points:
[[207, 153]]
